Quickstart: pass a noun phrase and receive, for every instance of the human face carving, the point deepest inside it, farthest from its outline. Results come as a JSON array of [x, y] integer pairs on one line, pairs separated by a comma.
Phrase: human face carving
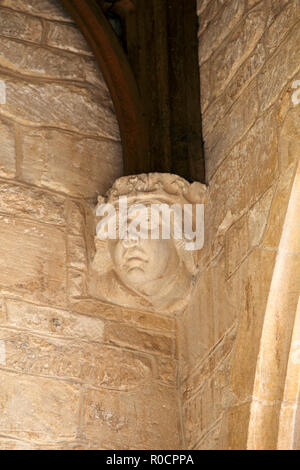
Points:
[[138, 262]]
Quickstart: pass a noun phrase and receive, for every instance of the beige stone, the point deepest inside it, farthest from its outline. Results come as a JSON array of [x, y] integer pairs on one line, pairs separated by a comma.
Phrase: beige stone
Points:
[[38, 61], [28, 103], [51, 9], [32, 260], [7, 151], [19, 26], [127, 336], [38, 409], [67, 37], [68, 163], [60, 323], [237, 49], [279, 69], [115, 420], [83, 362], [31, 203], [219, 28]]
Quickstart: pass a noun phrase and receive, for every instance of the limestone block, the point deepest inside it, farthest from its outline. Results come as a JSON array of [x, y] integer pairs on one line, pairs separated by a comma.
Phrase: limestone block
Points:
[[247, 173], [211, 440], [231, 128], [135, 420], [258, 218], [97, 309], [244, 75], [36, 408], [167, 370], [75, 216], [257, 275], [73, 108], [64, 162], [282, 25], [219, 28], [31, 203], [19, 26], [38, 61], [67, 37], [289, 139], [208, 15], [278, 209], [201, 373], [275, 7], [77, 283], [77, 257], [51, 9], [32, 260], [279, 69], [225, 304], [237, 244], [127, 336], [240, 45], [93, 364], [46, 320], [7, 151], [201, 5], [148, 320]]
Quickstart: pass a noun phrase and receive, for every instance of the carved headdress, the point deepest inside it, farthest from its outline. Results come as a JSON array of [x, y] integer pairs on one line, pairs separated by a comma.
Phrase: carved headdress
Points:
[[149, 189]]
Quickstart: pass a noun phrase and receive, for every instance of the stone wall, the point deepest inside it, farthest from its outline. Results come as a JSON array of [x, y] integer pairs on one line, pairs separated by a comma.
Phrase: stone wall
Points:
[[75, 373], [249, 67]]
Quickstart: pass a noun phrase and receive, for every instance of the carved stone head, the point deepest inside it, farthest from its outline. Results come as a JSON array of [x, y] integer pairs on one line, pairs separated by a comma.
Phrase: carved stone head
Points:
[[145, 263]]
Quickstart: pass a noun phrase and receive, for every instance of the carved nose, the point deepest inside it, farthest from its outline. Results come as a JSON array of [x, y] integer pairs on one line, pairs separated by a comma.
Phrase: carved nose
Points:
[[130, 242]]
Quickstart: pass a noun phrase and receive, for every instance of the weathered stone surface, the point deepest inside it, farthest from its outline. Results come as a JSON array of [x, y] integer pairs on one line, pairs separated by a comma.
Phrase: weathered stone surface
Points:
[[237, 244], [36, 408], [96, 365], [237, 49], [201, 5], [115, 420], [275, 7], [75, 216], [231, 128], [221, 351], [257, 275], [19, 26], [242, 78], [247, 173], [67, 37], [127, 336], [279, 69], [51, 9], [219, 28], [77, 283], [289, 139], [278, 209], [31, 203], [7, 151], [208, 15], [32, 260], [38, 61], [97, 309], [64, 162], [55, 322], [77, 257], [167, 370], [258, 218], [282, 25], [148, 320], [73, 108]]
